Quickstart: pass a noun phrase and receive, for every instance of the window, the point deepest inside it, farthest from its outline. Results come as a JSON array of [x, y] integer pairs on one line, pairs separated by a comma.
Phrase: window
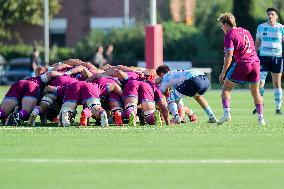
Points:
[[58, 27], [108, 22]]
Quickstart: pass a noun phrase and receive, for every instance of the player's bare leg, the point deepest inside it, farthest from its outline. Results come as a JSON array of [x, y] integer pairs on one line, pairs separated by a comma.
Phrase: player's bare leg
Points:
[[204, 104], [226, 101], [254, 88]]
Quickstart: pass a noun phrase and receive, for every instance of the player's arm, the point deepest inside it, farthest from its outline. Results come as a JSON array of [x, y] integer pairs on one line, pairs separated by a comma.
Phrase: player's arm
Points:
[[116, 88], [227, 61], [121, 75], [257, 44], [59, 66], [129, 69], [66, 64], [73, 62], [79, 69], [46, 77], [89, 65], [165, 88]]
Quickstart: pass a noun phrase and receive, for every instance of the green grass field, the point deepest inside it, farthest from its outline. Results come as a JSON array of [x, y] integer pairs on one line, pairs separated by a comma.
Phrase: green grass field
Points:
[[239, 154]]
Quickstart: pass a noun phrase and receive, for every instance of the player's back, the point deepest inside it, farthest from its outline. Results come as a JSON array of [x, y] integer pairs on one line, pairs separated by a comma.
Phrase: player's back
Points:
[[177, 77], [242, 42]]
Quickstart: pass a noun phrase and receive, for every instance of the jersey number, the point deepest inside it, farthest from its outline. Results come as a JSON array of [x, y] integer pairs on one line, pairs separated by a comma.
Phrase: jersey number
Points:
[[247, 44]]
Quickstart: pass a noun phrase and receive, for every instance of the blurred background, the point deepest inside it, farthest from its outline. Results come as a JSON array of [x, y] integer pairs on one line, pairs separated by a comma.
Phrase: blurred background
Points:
[[79, 27]]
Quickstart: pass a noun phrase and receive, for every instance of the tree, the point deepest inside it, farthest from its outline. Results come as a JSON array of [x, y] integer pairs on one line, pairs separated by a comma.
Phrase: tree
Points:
[[29, 12], [243, 11], [279, 4]]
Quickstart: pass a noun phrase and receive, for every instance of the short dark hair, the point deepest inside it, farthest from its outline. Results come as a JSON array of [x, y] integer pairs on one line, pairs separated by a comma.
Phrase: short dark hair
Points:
[[163, 69], [273, 9]]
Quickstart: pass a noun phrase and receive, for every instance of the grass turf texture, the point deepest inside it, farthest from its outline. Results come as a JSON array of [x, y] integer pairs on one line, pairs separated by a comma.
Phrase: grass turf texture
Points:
[[53, 157]]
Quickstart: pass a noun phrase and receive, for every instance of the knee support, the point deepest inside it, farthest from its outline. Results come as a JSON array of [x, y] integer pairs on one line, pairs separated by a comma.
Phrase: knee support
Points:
[[48, 99], [116, 109], [93, 103], [131, 106]]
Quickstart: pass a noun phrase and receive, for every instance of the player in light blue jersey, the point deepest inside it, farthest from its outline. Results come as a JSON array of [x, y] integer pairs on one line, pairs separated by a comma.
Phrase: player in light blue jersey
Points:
[[269, 40], [184, 83]]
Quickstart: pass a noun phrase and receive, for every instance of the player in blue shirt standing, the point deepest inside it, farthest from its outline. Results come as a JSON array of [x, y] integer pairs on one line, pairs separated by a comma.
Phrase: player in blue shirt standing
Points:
[[269, 39]]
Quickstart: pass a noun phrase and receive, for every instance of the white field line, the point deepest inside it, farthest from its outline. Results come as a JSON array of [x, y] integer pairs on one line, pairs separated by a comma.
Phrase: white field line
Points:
[[142, 161], [82, 128], [17, 128]]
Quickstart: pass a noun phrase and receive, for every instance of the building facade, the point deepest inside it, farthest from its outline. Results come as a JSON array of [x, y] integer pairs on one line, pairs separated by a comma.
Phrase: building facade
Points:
[[77, 18]]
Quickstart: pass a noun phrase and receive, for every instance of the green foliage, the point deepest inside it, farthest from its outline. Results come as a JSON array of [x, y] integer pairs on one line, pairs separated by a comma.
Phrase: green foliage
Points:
[[128, 44], [28, 12], [17, 51], [207, 23], [261, 6], [182, 42], [60, 53], [243, 11], [85, 49]]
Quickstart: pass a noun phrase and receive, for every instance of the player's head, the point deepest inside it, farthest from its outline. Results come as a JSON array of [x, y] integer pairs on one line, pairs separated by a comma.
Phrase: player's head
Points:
[[272, 14], [162, 70], [227, 21], [40, 70]]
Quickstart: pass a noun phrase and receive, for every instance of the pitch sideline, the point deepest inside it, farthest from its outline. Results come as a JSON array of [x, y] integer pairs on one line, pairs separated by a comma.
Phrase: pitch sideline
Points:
[[142, 161]]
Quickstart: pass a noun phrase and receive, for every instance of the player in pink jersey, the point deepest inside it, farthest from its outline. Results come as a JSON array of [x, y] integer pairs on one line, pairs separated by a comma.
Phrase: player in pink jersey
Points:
[[142, 92], [112, 99], [159, 100], [239, 44], [122, 78], [55, 91], [87, 94], [52, 94], [24, 94]]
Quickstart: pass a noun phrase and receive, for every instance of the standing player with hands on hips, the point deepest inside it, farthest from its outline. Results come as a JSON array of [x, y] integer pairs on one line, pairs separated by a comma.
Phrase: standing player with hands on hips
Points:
[[238, 43]]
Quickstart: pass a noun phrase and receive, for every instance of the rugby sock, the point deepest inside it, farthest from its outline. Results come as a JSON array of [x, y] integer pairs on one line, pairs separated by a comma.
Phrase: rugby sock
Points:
[[102, 111], [87, 112], [38, 109], [173, 108], [278, 98], [181, 110], [261, 90], [208, 111], [226, 106], [259, 110], [24, 115], [150, 119], [2, 114]]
